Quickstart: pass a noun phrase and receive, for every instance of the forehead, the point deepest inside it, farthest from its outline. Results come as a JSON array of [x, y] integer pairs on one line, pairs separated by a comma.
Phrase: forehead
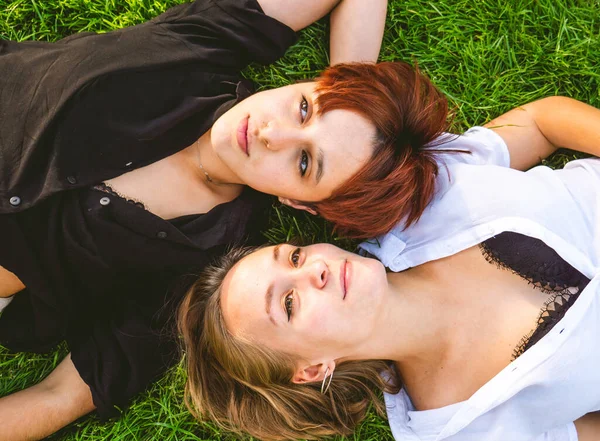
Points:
[[243, 289], [345, 142], [345, 131]]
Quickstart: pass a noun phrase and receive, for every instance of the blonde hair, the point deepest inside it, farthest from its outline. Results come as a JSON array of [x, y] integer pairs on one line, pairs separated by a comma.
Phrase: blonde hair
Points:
[[247, 388]]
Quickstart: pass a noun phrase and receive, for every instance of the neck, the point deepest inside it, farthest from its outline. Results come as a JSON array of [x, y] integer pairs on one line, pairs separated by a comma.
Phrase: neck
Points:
[[416, 320], [207, 164]]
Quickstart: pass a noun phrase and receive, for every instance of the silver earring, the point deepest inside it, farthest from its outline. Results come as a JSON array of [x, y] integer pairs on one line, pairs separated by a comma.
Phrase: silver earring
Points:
[[324, 388]]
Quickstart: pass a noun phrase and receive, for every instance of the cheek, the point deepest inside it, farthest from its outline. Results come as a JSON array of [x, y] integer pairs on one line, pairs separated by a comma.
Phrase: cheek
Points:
[[316, 326], [267, 176], [323, 326], [317, 318]]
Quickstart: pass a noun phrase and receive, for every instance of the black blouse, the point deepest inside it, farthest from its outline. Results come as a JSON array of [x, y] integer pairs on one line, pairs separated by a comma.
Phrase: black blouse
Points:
[[102, 272]]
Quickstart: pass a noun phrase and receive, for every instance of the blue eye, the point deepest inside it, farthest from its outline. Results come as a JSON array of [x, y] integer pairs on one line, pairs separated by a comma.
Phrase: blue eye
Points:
[[303, 164], [289, 303], [303, 109]]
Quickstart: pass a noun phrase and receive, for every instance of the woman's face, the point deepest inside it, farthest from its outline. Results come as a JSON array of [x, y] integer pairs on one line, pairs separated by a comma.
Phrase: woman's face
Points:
[[314, 302], [275, 142]]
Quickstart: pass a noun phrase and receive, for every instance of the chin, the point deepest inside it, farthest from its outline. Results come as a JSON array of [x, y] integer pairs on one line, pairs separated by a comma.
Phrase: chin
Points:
[[375, 265], [371, 277], [218, 136], [378, 274]]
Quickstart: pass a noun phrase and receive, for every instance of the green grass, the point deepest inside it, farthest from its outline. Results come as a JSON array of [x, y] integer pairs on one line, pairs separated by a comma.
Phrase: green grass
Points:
[[487, 56]]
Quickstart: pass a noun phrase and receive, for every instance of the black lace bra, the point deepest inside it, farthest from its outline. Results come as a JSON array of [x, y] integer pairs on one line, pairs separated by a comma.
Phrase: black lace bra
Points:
[[542, 267]]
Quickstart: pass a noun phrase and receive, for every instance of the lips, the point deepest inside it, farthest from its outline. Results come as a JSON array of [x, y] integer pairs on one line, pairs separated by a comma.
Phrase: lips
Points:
[[344, 278], [242, 135]]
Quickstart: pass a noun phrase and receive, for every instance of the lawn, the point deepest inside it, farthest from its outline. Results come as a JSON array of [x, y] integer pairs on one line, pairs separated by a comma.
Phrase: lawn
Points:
[[488, 56]]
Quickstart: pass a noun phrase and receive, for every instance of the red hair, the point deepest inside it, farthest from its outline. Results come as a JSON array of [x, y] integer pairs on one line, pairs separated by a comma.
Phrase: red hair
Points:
[[408, 112]]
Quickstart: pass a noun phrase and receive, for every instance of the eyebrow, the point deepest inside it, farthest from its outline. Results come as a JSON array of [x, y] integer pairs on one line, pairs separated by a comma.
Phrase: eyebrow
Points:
[[320, 161], [270, 289]]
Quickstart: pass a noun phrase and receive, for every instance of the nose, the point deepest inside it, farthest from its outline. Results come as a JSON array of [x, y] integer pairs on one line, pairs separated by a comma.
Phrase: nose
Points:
[[278, 135], [318, 273]]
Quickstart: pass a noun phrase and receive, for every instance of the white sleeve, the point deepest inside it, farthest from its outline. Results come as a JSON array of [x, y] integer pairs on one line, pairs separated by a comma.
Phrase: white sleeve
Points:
[[582, 179], [561, 433], [484, 146]]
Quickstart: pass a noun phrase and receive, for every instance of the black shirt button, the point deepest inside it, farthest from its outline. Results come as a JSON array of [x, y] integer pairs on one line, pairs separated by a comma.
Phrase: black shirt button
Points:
[[104, 201], [161, 235], [72, 180], [129, 164], [15, 201]]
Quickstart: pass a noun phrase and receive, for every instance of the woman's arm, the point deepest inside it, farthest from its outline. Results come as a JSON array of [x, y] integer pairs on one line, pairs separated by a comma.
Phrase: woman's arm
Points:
[[533, 131], [353, 37], [357, 30], [41, 410], [588, 427], [10, 284]]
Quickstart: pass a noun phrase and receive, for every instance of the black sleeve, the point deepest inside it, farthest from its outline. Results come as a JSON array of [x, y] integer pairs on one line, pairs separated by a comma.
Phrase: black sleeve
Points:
[[120, 355], [237, 31]]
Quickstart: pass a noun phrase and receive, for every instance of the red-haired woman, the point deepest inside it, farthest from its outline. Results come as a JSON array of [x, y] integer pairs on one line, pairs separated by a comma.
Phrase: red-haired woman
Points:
[[492, 331]]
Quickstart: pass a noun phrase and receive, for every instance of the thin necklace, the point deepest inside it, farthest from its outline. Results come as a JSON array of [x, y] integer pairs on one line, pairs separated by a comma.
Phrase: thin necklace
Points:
[[208, 178]]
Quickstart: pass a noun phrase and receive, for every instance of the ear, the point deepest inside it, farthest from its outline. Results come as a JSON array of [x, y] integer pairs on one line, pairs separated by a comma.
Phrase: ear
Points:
[[297, 205], [313, 373]]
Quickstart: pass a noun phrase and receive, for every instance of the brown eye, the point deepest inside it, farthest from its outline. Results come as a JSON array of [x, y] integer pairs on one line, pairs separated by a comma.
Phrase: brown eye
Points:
[[289, 303], [295, 257]]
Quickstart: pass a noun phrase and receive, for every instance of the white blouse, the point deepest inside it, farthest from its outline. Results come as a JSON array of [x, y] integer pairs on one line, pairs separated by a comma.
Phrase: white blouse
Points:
[[557, 380]]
